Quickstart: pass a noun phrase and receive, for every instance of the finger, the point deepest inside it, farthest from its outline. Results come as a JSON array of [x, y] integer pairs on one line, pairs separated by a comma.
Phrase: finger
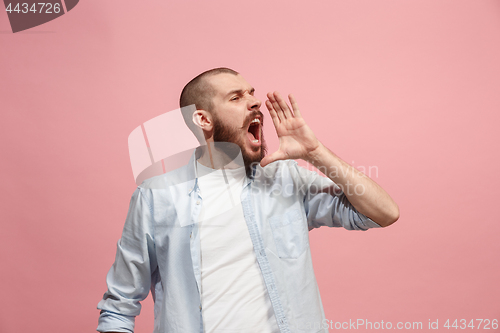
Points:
[[283, 105], [276, 107], [295, 106], [273, 114]]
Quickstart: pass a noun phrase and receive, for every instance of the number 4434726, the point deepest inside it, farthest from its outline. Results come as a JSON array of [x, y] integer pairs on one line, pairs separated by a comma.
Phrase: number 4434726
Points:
[[484, 324], [24, 8]]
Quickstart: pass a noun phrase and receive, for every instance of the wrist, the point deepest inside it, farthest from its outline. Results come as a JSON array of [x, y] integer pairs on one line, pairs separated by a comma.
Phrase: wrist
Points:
[[316, 155]]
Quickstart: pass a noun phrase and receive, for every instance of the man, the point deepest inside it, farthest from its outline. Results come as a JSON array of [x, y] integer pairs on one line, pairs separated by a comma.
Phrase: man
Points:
[[223, 242]]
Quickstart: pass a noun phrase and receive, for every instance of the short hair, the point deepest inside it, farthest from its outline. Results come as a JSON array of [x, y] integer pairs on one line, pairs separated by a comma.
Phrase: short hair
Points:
[[200, 92]]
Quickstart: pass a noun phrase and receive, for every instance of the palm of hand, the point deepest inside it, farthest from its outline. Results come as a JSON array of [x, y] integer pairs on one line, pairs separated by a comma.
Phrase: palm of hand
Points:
[[296, 138]]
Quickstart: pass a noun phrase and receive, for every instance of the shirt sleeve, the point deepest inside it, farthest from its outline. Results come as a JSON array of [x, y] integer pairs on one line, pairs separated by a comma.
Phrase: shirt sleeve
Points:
[[129, 279], [326, 205]]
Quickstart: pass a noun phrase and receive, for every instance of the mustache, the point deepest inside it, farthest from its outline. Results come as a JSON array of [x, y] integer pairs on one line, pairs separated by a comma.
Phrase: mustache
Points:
[[251, 117]]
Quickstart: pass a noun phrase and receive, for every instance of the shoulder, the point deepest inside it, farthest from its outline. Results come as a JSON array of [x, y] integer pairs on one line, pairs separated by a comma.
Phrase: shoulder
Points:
[[283, 171], [163, 181], [288, 172], [286, 169]]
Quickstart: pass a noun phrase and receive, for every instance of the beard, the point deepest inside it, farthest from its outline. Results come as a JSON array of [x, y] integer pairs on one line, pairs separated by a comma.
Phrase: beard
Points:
[[224, 133]]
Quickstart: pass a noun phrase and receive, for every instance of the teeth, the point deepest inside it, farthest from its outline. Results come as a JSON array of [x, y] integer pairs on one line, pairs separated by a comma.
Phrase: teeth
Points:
[[255, 141], [256, 120]]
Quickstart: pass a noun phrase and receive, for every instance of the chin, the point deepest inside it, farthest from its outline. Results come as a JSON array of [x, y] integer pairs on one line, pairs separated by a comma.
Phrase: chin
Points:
[[251, 157]]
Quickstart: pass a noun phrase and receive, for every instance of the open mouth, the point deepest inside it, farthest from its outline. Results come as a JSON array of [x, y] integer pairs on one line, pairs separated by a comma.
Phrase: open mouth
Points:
[[253, 132]]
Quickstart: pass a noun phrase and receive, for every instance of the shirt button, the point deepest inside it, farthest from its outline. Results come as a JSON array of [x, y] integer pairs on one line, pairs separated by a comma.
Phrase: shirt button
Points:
[[200, 307], [198, 202]]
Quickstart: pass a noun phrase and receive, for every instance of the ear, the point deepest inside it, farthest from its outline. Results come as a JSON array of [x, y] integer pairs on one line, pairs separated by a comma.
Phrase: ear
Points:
[[203, 119]]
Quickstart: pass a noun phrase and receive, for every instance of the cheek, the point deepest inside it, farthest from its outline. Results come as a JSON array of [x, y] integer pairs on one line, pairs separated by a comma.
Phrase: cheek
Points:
[[233, 119], [237, 121]]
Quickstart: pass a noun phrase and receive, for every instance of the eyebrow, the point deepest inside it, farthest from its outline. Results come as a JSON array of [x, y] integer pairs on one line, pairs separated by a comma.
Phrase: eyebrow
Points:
[[239, 91]]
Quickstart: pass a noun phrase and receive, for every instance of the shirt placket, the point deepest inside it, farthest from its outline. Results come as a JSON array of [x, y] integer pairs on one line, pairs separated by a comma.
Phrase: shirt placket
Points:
[[260, 252], [194, 240]]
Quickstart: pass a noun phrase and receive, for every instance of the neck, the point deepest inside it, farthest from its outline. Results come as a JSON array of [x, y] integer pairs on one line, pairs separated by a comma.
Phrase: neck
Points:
[[219, 155]]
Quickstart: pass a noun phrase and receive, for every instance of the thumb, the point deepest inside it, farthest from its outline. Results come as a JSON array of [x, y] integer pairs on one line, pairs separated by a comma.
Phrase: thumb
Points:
[[276, 156]]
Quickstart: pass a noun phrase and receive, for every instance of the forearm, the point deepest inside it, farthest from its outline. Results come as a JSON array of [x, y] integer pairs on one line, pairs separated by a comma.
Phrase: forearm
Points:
[[362, 192]]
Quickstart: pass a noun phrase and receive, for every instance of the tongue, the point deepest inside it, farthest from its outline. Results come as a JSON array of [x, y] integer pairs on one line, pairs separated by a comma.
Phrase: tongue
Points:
[[250, 136]]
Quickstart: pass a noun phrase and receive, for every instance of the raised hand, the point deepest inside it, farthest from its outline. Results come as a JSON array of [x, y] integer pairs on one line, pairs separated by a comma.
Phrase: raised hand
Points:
[[297, 140]]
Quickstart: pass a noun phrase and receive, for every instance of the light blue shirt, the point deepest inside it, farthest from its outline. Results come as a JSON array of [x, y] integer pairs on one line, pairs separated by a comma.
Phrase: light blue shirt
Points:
[[160, 247]]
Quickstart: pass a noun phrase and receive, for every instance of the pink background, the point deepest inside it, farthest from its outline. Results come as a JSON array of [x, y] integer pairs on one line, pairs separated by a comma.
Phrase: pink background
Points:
[[407, 86]]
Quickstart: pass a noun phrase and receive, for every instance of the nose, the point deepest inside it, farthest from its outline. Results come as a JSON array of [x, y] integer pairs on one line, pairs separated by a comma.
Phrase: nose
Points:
[[254, 103]]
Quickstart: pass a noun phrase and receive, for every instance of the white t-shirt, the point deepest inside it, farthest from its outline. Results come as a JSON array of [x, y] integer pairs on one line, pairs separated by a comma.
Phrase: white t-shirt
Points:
[[233, 294]]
